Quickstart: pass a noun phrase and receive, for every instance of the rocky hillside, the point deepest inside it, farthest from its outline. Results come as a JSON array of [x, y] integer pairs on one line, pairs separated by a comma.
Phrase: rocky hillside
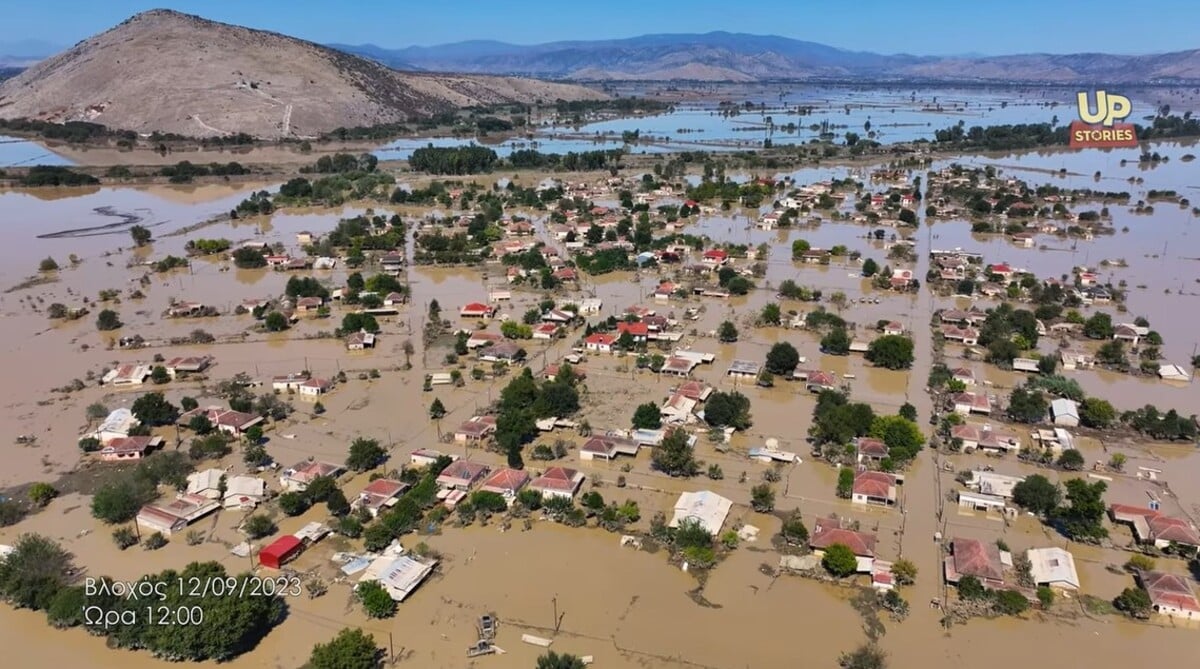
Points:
[[171, 72], [721, 56]]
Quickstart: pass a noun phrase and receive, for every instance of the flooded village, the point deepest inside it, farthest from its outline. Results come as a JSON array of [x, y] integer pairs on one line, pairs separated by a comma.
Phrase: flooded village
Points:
[[685, 413]]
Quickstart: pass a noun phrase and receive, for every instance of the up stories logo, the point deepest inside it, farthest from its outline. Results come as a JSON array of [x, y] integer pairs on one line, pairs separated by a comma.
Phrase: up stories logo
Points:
[[1099, 129]]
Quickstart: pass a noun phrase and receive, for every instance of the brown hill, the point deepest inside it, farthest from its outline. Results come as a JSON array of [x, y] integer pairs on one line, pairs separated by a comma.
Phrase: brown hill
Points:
[[171, 72]]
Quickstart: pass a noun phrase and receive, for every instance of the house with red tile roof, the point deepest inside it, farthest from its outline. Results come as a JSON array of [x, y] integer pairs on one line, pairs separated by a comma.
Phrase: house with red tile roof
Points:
[[558, 482], [506, 481], [714, 257], [870, 449], [1154, 527], [128, 448], [696, 390], [461, 474], [639, 331], [1170, 595], [874, 488], [379, 494], [969, 403], [476, 310], [606, 447], [829, 531], [225, 420], [477, 428], [971, 557], [600, 342]]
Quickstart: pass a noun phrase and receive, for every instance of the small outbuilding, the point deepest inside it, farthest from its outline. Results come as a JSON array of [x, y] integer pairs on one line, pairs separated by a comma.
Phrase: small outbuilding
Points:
[[280, 552]]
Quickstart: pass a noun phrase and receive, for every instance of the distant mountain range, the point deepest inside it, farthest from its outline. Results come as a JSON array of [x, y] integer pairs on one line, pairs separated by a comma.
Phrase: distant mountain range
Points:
[[722, 56]]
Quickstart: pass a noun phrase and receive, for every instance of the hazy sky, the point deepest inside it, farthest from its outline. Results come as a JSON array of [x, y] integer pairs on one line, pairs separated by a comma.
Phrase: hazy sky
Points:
[[932, 27]]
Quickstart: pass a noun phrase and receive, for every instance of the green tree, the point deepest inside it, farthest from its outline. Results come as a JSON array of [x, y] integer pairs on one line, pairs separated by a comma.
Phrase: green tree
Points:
[[794, 531], [294, 504], [48, 265], [1071, 460], [350, 649], [839, 560], [376, 601], [845, 484], [1037, 494], [119, 501], [762, 498], [837, 342], [437, 410], [275, 322], [728, 409], [108, 320], [908, 412], [336, 503], [1082, 519], [782, 359], [553, 660], [1010, 602], [727, 332], [1027, 405], [41, 493], [905, 571], [674, 456], [771, 314], [365, 454], [1134, 602], [1096, 412], [970, 588], [1045, 596], [258, 526], [870, 268], [140, 234], [647, 416], [799, 248], [891, 352], [32, 574], [1099, 326], [866, 656], [902, 436]]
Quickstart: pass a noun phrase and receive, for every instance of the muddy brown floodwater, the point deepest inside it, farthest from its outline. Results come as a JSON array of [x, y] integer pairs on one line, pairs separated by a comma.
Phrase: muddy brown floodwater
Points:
[[626, 607]]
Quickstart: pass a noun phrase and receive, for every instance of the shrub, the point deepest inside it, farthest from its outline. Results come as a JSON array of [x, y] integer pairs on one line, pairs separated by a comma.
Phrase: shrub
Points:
[[154, 541], [258, 526], [124, 537]]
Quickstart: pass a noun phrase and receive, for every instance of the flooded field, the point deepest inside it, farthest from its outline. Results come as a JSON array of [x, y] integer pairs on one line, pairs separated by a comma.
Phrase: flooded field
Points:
[[626, 607]]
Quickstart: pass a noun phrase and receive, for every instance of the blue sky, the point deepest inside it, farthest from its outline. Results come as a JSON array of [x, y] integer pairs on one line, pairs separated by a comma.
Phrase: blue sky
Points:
[[933, 27]]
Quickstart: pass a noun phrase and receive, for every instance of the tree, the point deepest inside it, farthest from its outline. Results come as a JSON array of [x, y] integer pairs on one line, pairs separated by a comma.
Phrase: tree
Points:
[[41, 493], [350, 649], [674, 456], [275, 322], [141, 235], [870, 268], [365, 454], [782, 359], [258, 526], [728, 409], [1071, 460], [799, 248], [1096, 412], [837, 342], [866, 656], [1117, 462], [891, 352], [902, 436], [336, 503], [200, 424], [908, 412], [1082, 519], [376, 601], [762, 498], [771, 314], [437, 410], [119, 501], [48, 264], [727, 332], [794, 531], [1037, 494], [294, 504], [34, 571], [970, 588], [905, 571], [1135, 602], [1027, 405], [154, 409], [108, 320], [1112, 353], [553, 660], [845, 483], [1010, 602], [647, 416], [839, 560], [355, 322], [1099, 326]]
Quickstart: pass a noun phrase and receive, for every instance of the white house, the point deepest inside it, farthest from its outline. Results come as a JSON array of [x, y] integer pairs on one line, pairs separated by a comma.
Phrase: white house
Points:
[[117, 425], [1053, 567], [704, 506], [1064, 412]]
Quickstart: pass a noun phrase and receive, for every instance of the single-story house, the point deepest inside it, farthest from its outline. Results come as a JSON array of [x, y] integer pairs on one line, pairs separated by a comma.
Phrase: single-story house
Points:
[[552, 370], [558, 482], [546, 331], [607, 447], [744, 369], [1170, 595], [505, 481], [696, 390], [1053, 567], [127, 375], [193, 364], [476, 429], [972, 557], [1025, 365], [980, 501], [507, 352], [297, 478], [476, 310], [461, 474], [704, 506], [379, 495], [289, 382], [874, 488], [1064, 412], [176, 514], [1173, 373], [829, 531], [985, 438], [675, 366], [1154, 527], [244, 492], [600, 342], [118, 424], [963, 375], [678, 409], [1073, 359], [306, 304], [360, 341], [280, 552], [639, 331], [870, 449], [478, 339], [558, 316], [315, 387], [128, 448], [424, 457], [817, 381], [969, 402], [893, 328], [225, 420], [966, 336], [991, 483], [400, 576], [206, 483]]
